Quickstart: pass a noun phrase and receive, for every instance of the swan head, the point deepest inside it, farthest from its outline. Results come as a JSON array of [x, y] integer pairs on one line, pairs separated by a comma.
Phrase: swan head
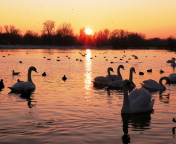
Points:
[[32, 68], [121, 66], [133, 69], [110, 69], [127, 83]]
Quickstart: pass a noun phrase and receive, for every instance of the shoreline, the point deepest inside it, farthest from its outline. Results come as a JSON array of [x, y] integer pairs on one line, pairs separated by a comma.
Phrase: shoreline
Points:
[[76, 47], [51, 47]]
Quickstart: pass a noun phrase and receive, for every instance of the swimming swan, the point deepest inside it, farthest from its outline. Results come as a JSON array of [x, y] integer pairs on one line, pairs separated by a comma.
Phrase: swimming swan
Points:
[[101, 80], [23, 86], [118, 76], [172, 78], [119, 83], [138, 101], [153, 85]]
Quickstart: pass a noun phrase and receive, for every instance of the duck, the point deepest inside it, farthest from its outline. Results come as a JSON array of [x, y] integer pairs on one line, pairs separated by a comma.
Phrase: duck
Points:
[[173, 120], [161, 71], [173, 63], [19, 80], [44, 74], [141, 73], [64, 78], [153, 85], [1, 84], [101, 80], [25, 86], [118, 76], [170, 61], [137, 101], [119, 83], [15, 73], [149, 70]]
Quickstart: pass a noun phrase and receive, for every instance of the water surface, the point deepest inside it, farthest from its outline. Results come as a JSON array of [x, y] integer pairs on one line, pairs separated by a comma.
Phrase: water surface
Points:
[[76, 112]]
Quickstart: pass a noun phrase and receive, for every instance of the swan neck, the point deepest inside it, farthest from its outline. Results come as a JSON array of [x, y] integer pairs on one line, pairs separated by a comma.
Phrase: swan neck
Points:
[[126, 104], [161, 79], [109, 74], [29, 76], [131, 76], [118, 72]]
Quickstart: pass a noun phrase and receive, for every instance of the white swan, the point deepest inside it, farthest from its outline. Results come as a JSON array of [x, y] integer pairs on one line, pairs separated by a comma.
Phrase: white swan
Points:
[[119, 83], [23, 86], [172, 78], [153, 85], [138, 101], [101, 80], [118, 76]]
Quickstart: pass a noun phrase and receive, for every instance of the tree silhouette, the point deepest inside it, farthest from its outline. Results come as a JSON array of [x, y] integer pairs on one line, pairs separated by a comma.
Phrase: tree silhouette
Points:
[[48, 28]]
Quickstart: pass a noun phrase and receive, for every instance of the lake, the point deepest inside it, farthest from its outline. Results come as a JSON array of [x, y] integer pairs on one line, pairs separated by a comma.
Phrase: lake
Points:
[[75, 111]]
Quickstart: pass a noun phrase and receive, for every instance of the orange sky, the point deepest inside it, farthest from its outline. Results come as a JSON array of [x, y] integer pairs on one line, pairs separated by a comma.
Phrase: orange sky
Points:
[[154, 18]]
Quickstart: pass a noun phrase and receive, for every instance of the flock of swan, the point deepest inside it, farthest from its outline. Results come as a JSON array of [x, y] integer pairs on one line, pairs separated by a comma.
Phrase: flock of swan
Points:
[[138, 100]]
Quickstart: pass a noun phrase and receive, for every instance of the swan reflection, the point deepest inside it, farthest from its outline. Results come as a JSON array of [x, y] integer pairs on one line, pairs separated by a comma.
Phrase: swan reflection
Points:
[[28, 96], [139, 122]]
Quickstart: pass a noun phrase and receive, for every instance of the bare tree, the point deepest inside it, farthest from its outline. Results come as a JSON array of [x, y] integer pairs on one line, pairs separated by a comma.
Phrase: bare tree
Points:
[[48, 27], [65, 30]]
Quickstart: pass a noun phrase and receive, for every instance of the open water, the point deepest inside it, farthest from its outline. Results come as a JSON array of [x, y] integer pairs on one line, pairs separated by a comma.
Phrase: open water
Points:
[[75, 111]]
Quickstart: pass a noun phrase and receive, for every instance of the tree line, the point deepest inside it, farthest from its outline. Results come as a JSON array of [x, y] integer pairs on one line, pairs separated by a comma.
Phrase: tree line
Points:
[[64, 36]]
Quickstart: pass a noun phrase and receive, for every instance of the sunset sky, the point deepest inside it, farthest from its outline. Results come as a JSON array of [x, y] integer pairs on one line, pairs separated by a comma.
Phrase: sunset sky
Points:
[[154, 18]]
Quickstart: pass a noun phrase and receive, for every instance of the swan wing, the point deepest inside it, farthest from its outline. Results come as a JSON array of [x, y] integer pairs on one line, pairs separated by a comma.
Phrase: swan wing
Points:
[[151, 84], [114, 77], [172, 77], [101, 79], [20, 86], [140, 101], [116, 84]]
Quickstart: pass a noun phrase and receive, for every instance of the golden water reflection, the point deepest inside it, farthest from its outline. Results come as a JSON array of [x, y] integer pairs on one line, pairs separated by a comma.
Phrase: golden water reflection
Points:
[[88, 66]]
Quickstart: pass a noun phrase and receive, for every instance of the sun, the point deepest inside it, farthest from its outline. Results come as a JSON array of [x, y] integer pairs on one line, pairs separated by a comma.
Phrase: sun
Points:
[[88, 31]]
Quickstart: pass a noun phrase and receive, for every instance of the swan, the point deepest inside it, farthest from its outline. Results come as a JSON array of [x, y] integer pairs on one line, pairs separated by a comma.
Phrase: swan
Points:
[[119, 83], [24, 86], [118, 76], [138, 101], [101, 80], [172, 78], [153, 85]]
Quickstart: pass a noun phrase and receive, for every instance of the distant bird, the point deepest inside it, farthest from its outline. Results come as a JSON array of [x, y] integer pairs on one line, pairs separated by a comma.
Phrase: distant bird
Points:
[[64, 78], [141, 73], [19, 80], [112, 62], [58, 60], [173, 120], [20, 61], [149, 70], [15, 73], [1, 84], [161, 71], [44, 74], [48, 59]]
